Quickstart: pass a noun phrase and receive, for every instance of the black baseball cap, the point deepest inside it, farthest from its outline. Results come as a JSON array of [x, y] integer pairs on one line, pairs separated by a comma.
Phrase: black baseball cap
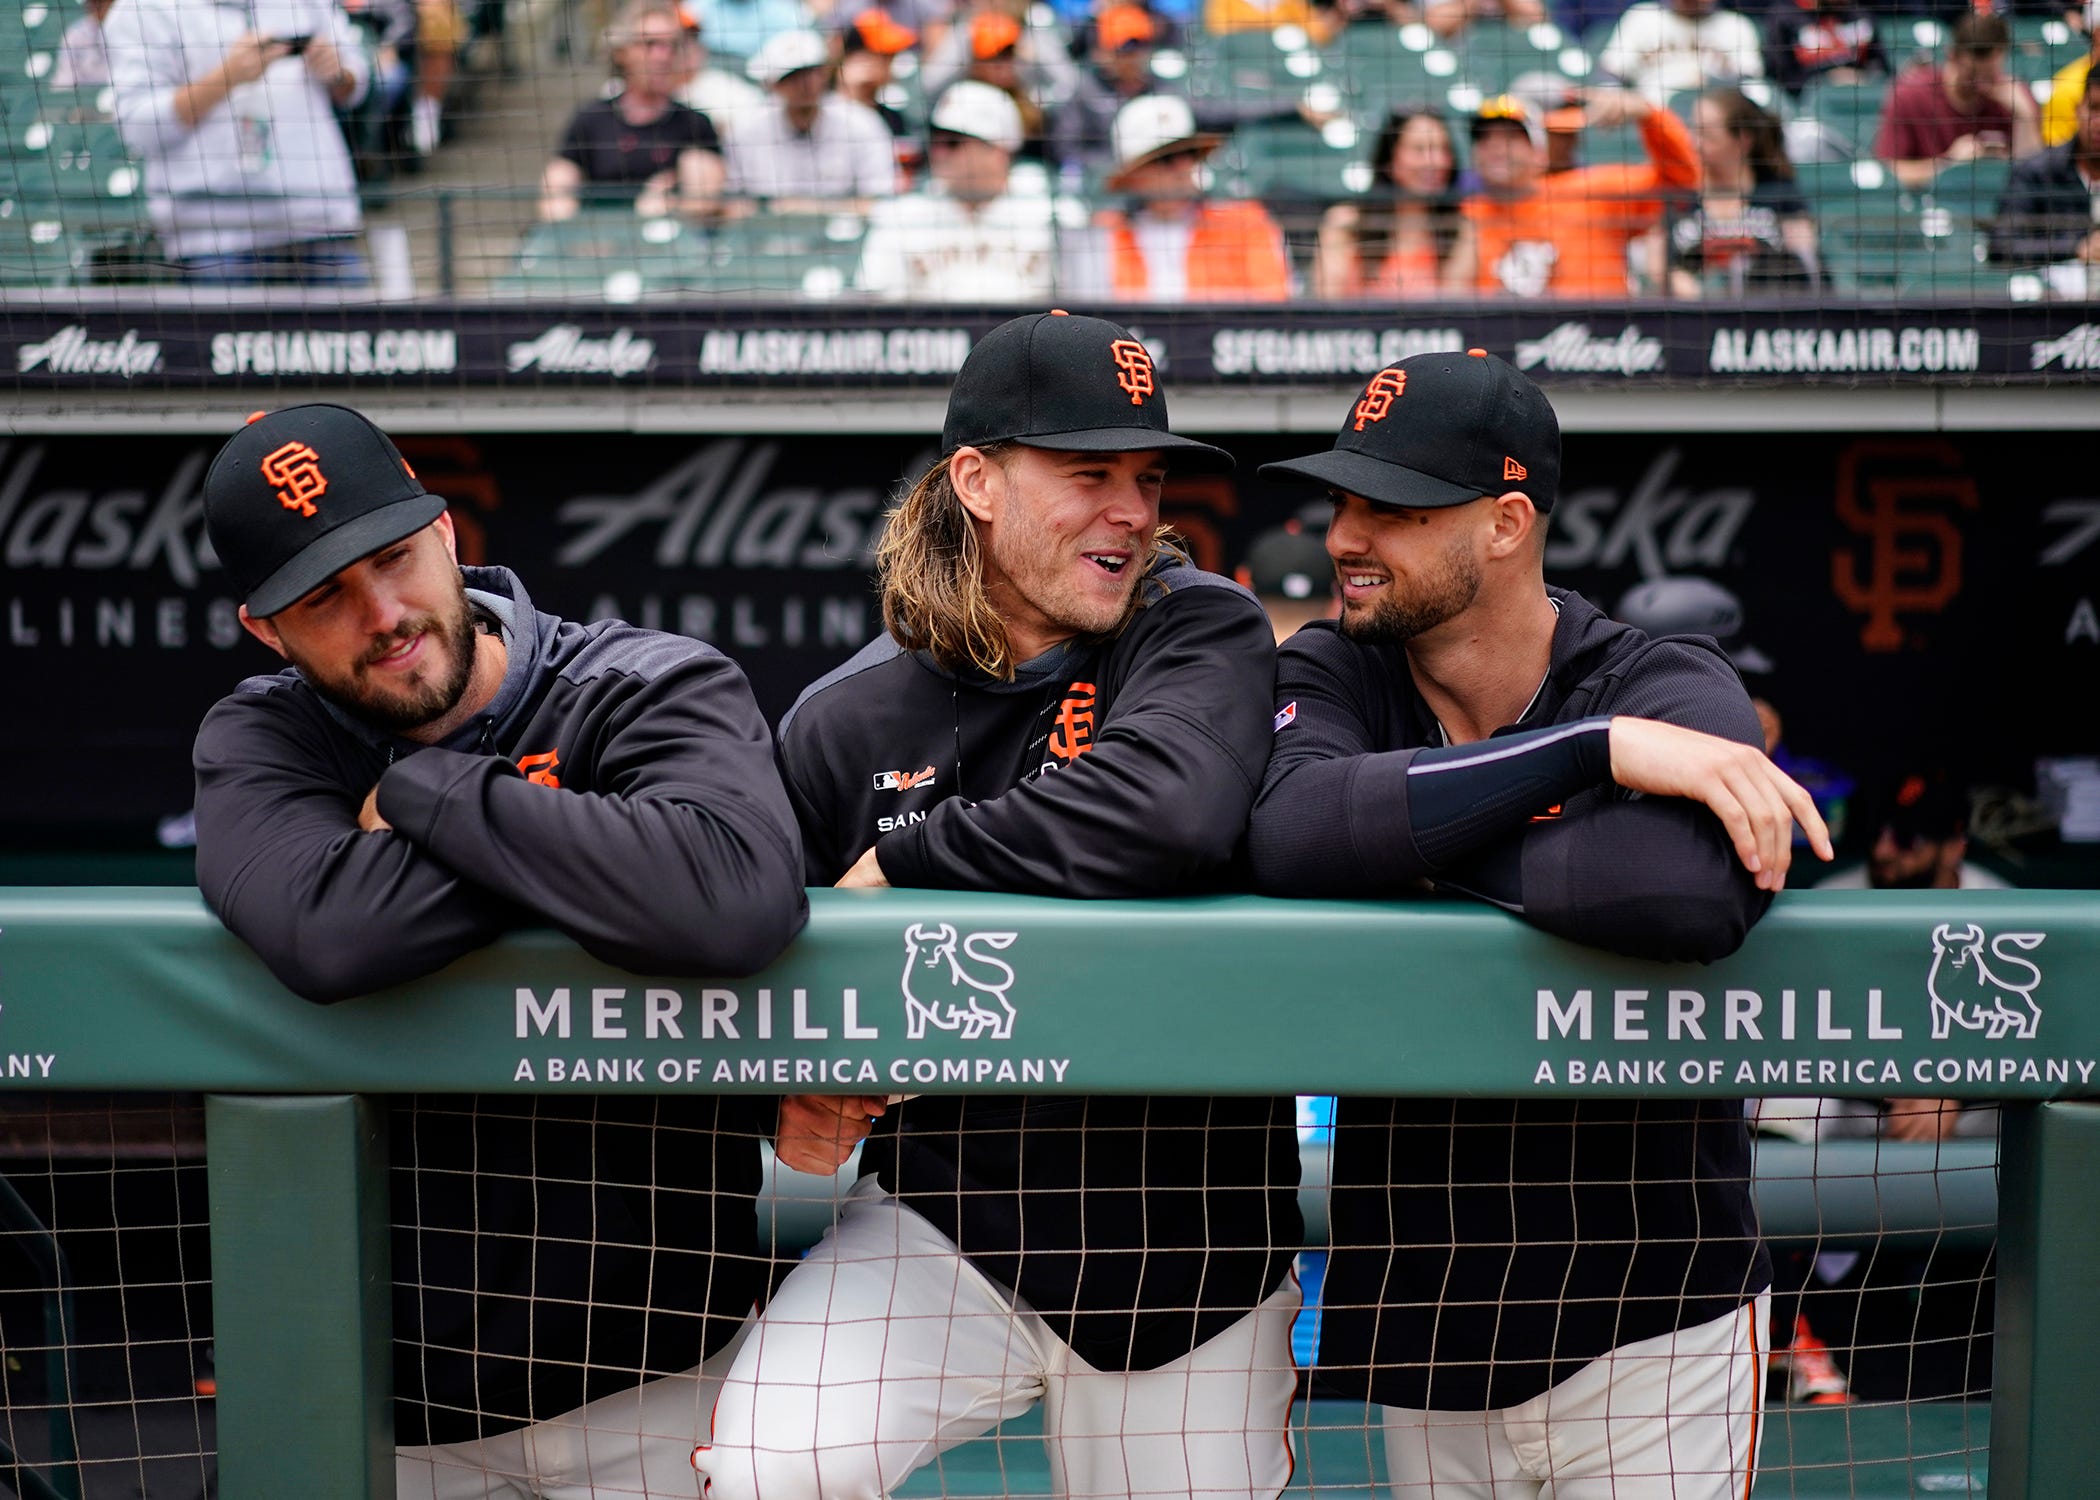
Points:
[[1690, 605], [1290, 562], [298, 495], [1441, 429], [1081, 385]]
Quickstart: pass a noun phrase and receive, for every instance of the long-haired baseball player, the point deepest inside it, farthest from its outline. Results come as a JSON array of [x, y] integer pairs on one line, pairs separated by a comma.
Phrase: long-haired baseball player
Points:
[[1546, 1297], [1062, 706], [439, 763]]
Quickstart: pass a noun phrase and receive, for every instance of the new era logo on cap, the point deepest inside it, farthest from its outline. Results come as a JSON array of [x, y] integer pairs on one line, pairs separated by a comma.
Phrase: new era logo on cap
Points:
[[300, 494], [1081, 385], [1441, 429]]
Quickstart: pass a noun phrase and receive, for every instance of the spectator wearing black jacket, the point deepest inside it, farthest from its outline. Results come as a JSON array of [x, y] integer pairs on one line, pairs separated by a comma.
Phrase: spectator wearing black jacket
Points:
[[1546, 1292], [1062, 706], [2050, 209], [640, 147], [442, 763], [1821, 41]]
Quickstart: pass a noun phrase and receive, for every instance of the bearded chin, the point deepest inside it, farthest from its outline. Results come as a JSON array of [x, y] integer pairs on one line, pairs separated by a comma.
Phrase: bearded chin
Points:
[[432, 700]]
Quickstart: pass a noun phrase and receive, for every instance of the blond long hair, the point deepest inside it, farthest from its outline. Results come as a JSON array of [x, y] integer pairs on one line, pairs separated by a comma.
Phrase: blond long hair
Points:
[[930, 568]]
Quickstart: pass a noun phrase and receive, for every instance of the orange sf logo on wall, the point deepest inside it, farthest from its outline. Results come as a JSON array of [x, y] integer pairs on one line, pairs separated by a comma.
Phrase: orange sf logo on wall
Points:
[[539, 769], [1913, 562], [1072, 731], [1379, 395], [1133, 369], [296, 471]]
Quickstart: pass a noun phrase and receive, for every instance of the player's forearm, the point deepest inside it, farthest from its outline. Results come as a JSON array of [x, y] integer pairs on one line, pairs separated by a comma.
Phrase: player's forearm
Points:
[[699, 881]]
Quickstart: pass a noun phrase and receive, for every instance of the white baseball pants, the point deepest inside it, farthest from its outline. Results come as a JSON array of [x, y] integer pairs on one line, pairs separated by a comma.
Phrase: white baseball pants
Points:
[[632, 1443], [1675, 1417], [886, 1347]]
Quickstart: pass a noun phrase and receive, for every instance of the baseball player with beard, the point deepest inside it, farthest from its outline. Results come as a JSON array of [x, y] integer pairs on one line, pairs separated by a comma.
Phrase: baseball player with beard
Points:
[[440, 763], [1062, 706], [1546, 1297]]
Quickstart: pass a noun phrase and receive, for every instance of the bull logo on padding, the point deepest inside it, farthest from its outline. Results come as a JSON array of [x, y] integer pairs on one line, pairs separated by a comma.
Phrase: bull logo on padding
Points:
[[952, 983], [1994, 994]]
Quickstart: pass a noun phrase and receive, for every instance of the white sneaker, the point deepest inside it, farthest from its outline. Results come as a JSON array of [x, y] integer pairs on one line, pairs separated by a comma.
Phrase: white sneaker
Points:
[[423, 121]]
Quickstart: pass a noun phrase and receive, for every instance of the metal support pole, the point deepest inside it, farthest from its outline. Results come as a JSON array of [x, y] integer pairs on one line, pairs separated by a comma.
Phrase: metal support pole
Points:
[[301, 1296], [2044, 1441]]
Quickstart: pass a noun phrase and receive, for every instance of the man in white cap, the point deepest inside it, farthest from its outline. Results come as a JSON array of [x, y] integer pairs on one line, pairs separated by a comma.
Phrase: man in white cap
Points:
[[1173, 244], [967, 236], [812, 148]]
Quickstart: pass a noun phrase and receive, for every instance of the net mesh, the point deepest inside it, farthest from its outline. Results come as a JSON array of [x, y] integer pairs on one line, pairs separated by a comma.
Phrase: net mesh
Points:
[[297, 190], [1877, 1374]]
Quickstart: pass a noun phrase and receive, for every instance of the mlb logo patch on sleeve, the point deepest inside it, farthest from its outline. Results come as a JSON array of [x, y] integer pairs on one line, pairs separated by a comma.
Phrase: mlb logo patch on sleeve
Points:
[[1285, 717]]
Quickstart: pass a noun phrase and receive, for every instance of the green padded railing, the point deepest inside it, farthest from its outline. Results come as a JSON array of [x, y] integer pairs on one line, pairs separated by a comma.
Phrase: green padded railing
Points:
[[1945, 994]]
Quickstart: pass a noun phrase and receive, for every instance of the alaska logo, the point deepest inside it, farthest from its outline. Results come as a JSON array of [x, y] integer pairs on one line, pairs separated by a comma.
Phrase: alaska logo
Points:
[[902, 781], [296, 471], [1072, 731], [1992, 995], [944, 991], [1133, 369], [539, 769], [1376, 404]]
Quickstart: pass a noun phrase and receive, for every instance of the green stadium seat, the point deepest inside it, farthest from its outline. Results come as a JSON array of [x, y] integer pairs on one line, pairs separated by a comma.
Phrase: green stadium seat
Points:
[[1842, 182], [1290, 160], [1255, 67], [1851, 109], [813, 255], [1380, 67], [1492, 56], [35, 249], [2041, 46], [603, 253], [1970, 190]]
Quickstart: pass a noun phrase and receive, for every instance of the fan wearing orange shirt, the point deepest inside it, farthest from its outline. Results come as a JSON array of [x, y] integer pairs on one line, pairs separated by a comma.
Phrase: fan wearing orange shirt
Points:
[[1564, 235]]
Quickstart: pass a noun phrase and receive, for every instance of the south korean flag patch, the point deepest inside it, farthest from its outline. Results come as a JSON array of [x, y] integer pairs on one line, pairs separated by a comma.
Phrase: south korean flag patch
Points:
[[1285, 717]]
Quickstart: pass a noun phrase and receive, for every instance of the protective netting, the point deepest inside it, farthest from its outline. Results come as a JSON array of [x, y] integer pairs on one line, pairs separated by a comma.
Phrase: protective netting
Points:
[[1879, 1220], [418, 193]]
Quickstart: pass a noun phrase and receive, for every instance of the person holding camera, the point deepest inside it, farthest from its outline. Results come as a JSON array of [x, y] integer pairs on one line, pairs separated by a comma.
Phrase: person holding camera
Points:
[[232, 110]]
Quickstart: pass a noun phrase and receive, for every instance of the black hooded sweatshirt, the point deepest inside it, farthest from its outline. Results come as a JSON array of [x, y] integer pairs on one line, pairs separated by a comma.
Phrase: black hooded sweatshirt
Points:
[[1116, 768], [547, 1250], [1483, 1250]]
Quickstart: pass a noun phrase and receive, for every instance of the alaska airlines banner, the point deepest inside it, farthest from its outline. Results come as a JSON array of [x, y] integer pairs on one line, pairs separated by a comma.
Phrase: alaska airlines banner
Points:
[[1920, 597], [739, 347]]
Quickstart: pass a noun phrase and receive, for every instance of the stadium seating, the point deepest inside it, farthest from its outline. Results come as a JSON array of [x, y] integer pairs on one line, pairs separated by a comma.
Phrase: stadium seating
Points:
[[609, 253]]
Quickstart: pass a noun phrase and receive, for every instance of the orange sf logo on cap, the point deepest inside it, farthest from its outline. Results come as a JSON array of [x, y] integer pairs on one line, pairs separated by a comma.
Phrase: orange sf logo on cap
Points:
[[296, 471], [1133, 369], [1379, 395]]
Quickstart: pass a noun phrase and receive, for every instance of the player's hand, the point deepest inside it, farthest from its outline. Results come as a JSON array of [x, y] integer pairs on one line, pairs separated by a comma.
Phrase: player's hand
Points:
[[819, 1131], [1921, 1119], [866, 873], [246, 60], [1756, 801], [368, 817]]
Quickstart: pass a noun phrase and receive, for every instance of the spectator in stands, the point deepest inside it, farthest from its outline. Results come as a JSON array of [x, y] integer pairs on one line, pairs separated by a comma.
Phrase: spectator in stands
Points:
[[726, 98], [813, 147], [640, 147], [992, 45], [1529, 234], [1750, 228], [83, 55], [1663, 47], [743, 27], [2059, 114], [1125, 40], [967, 237], [2050, 211], [1173, 245], [390, 35], [1321, 22], [1821, 41], [441, 31], [872, 42], [1450, 18], [248, 179], [1394, 243], [1289, 571], [1967, 107]]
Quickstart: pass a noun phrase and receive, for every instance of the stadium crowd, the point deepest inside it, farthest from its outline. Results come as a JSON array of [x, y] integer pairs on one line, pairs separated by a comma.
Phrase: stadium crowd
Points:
[[1233, 150]]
